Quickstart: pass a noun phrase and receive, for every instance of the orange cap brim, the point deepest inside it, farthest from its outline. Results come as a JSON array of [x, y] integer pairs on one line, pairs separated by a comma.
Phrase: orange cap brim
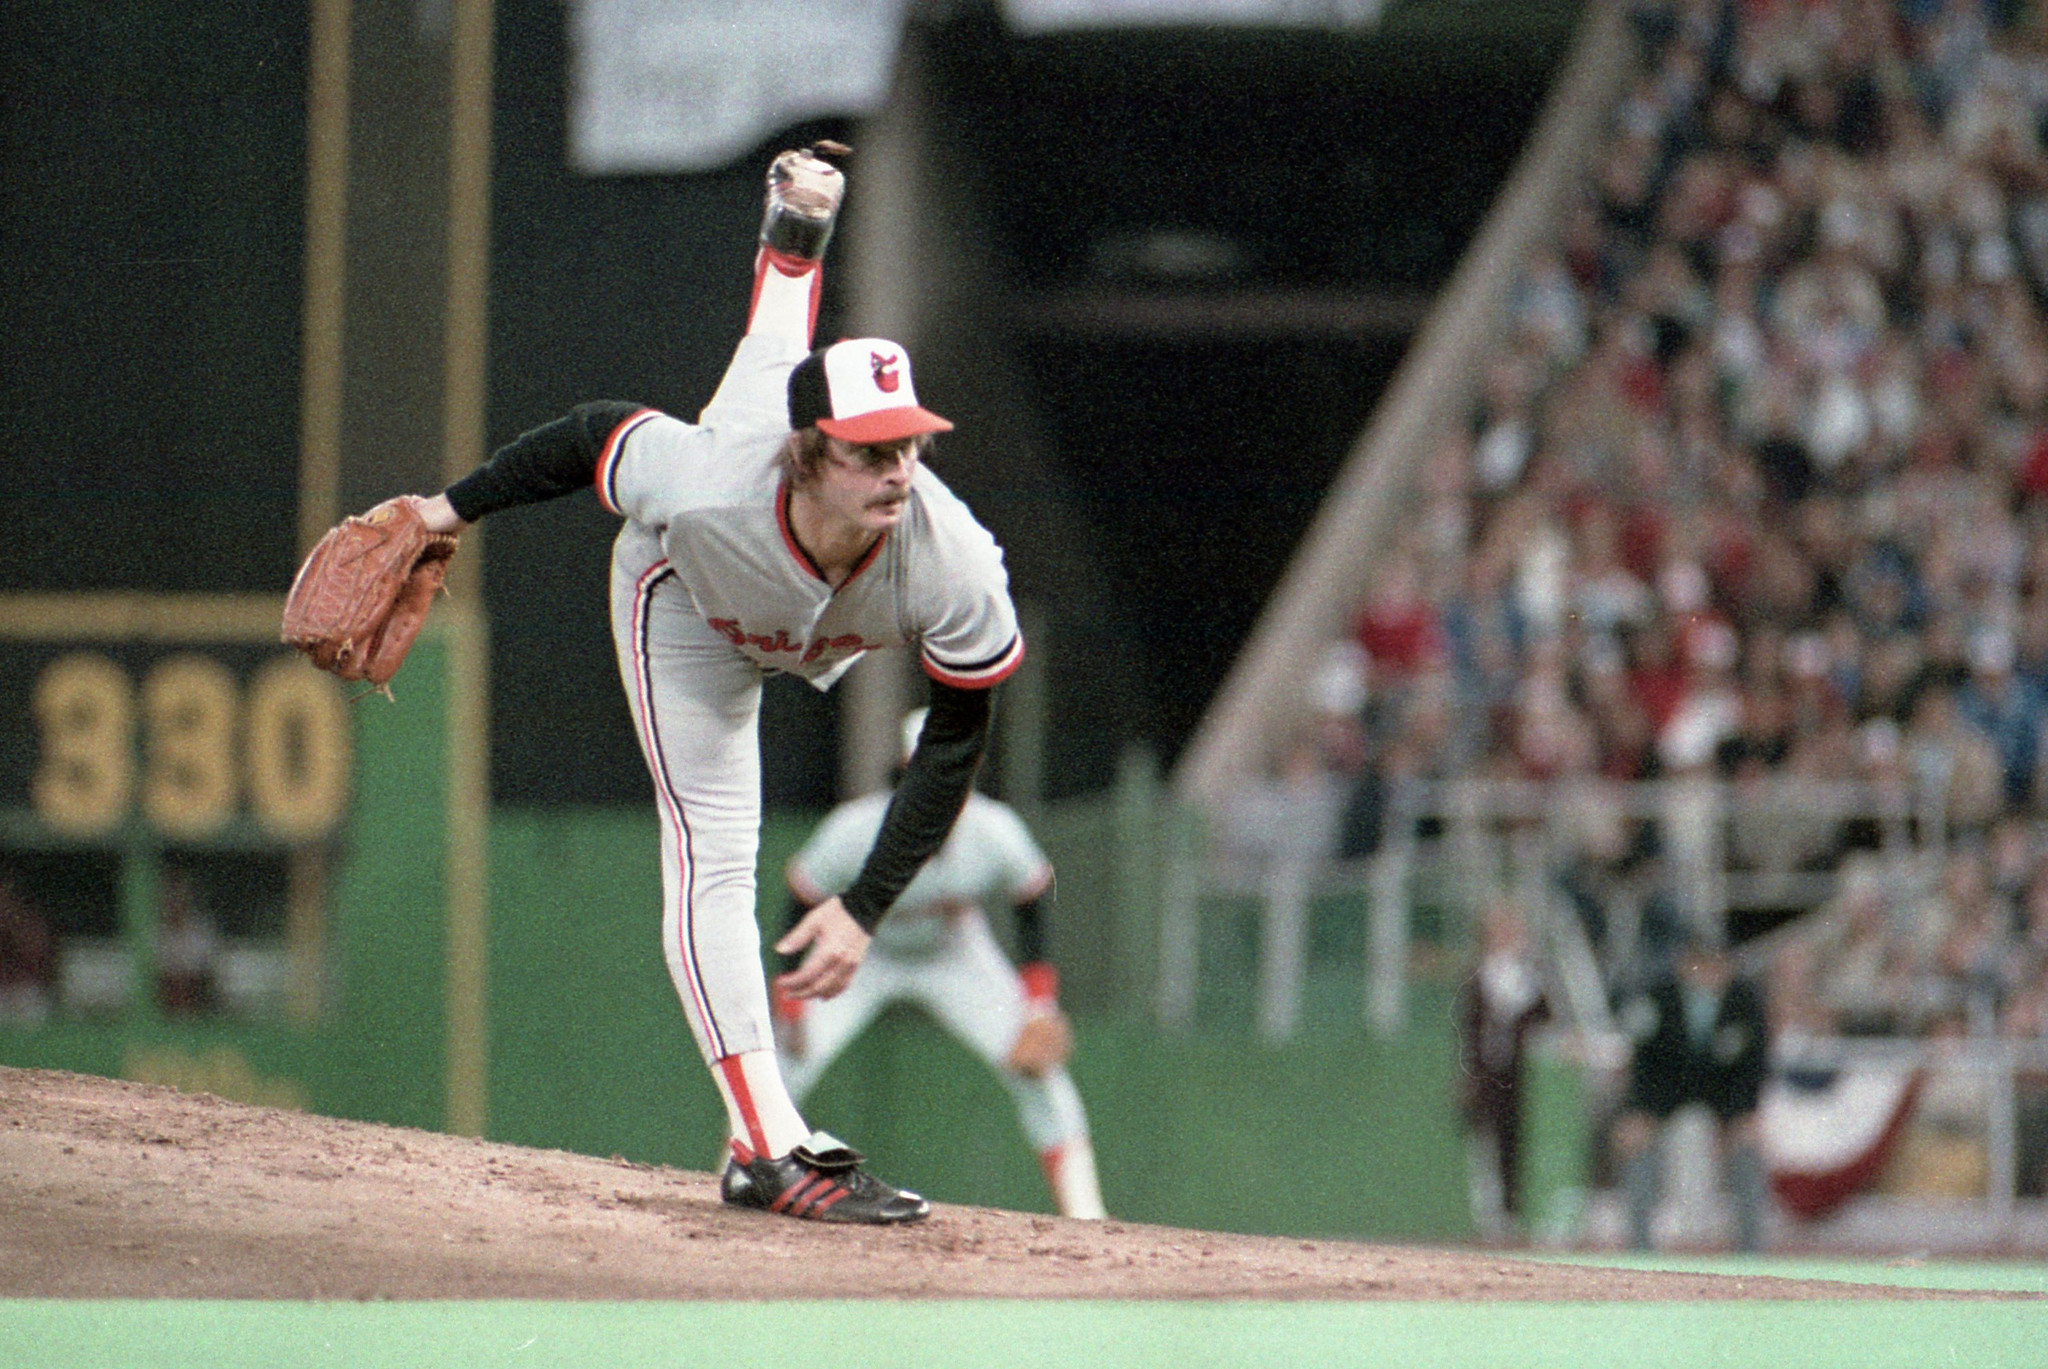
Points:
[[884, 425]]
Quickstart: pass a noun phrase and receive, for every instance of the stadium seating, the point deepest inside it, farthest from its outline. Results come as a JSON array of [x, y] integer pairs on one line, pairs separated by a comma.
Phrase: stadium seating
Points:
[[1755, 497]]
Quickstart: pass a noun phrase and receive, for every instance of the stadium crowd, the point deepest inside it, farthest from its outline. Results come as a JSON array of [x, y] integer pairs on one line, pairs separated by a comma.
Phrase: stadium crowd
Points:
[[1756, 487]]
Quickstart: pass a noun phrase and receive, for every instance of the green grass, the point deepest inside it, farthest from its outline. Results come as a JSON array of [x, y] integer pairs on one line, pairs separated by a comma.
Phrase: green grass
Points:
[[1022, 1335]]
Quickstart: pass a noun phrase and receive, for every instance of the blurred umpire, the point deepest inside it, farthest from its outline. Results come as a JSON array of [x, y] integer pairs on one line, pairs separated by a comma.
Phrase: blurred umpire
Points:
[[1700, 1037]]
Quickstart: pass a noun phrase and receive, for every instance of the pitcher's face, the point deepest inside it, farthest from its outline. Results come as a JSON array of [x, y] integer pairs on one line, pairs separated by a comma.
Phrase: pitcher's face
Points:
[[867, 486]]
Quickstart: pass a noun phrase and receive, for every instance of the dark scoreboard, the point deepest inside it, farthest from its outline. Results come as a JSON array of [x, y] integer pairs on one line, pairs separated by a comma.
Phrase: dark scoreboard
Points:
[[201, 740]]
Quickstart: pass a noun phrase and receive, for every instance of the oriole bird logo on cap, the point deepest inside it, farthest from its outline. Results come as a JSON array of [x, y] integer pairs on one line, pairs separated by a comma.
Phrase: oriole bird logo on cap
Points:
[[887, 378]]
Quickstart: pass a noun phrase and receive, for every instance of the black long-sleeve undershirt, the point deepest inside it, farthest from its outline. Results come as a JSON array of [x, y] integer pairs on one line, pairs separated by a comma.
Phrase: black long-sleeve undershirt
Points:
[[927, 802], [1030, 930], [547, 462]]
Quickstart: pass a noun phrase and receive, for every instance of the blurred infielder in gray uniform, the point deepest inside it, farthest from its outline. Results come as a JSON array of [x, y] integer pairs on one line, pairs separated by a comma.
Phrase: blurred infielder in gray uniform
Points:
[[792, 527], [936, 950]]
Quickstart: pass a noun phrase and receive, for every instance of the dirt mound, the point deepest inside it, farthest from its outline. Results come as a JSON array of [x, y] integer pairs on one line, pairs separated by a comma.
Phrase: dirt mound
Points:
[[111, 1189]]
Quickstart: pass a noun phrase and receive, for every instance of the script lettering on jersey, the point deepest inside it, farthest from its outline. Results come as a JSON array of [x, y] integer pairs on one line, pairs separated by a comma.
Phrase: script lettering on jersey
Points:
[[733, 632]]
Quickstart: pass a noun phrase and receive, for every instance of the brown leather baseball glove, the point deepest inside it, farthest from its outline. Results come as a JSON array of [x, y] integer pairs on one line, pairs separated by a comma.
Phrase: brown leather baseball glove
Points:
[[1043, 1043], [362, 595]]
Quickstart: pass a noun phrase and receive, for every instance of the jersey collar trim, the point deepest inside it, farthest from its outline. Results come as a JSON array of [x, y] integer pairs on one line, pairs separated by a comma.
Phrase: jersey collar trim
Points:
[[796, 549], [802, 557]]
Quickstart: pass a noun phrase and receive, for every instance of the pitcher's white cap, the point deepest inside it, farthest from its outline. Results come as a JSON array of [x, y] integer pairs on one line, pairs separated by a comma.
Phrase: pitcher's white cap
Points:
[[859, 390]]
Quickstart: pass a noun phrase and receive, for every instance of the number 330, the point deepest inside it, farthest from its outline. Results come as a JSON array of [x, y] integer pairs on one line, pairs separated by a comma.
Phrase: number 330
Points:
[[292, 730]]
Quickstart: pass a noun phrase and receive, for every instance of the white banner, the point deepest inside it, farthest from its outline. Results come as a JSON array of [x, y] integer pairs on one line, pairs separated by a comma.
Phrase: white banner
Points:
[[1046, 16], [688, 85]]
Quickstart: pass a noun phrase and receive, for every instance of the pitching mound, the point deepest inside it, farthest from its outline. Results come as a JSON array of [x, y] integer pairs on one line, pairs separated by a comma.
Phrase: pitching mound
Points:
[[111, 1189]]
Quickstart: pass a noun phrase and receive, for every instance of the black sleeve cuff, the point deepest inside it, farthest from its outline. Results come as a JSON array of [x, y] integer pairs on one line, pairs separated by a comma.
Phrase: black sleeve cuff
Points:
[[928, 801], [1031, 929], [792, 915], [548, 462]]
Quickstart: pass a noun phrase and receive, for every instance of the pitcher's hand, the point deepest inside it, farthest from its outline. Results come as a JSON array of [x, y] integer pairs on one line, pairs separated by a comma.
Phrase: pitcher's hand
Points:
[[837, 945]]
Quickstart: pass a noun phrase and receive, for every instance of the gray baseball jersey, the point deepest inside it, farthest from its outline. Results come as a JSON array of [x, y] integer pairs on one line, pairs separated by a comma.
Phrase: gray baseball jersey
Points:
[[714, 489]]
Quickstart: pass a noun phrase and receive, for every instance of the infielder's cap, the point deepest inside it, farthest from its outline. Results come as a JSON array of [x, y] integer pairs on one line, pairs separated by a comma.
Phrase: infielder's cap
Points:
[[859, 390]]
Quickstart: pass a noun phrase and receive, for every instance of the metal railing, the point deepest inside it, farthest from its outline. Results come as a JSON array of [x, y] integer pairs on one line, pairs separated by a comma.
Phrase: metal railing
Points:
[[1776, 842]]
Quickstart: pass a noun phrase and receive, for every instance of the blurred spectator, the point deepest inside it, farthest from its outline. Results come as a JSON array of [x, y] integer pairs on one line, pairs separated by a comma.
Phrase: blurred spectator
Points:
[[1656, 678], [1953, 764], [2006, 709], [1710, 707], [2026, 1022], [1398, 628], [1933, 920], [1499, 1005], [2012, 859], [1338, 694], [1592, 844], [187, 948], [1974, 958], [28, 958], [2032, 932], [1606, 595], [1700, 1037], [1506, 429], [1799, 1014], [1857, 960]]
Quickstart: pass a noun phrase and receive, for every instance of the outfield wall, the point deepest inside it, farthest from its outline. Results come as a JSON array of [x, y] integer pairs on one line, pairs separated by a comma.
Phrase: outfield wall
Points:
[[1334, 1134], [508, 979]]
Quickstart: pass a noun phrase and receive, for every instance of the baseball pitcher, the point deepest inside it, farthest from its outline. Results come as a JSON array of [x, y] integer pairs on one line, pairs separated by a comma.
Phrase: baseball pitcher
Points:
[[793, 527]]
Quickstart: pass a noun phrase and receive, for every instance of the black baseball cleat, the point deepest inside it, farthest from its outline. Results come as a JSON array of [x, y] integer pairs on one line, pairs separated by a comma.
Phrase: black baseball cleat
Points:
[[820, 1181]]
